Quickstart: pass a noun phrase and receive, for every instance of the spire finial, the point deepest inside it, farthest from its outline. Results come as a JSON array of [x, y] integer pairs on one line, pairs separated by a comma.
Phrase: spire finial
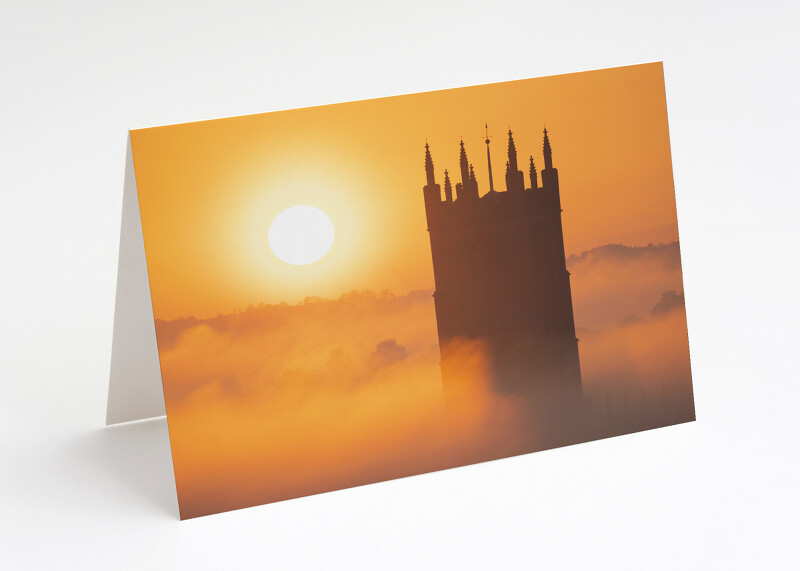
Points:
[[473, 181], [512, 152], [448, 189], [534, 176], [548, 152], [429, 165], [464, 164], [489, 157]]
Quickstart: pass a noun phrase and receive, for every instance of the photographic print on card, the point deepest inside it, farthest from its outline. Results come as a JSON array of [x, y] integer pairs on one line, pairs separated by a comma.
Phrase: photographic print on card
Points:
[[364, 291]]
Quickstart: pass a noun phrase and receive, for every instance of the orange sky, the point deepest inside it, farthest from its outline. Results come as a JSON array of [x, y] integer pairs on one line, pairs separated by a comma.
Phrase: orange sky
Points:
[[208, 191]]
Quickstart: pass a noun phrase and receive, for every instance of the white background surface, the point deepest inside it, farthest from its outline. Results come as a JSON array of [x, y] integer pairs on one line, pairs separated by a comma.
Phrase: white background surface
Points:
[[718, 493]]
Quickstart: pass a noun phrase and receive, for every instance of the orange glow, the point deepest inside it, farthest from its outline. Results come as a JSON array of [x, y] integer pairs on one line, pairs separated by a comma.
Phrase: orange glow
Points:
[[208, 191], [283, 401], [280, 384]]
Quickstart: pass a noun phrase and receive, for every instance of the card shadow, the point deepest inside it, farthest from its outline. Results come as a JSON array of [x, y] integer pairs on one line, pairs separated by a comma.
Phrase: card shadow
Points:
[[136, 455]]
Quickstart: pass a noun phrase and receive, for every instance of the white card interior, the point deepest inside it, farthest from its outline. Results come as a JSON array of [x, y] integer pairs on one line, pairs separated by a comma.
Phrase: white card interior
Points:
[[134, 389]]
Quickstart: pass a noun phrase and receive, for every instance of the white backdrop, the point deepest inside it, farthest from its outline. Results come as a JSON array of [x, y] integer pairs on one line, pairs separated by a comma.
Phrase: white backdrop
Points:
[[717, 493]]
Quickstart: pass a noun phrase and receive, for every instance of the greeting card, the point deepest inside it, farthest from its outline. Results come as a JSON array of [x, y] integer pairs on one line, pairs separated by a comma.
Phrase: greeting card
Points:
[[351, 293]]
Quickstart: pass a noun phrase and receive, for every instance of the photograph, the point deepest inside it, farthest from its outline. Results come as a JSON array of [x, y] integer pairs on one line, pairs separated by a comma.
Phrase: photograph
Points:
[[359, 292]]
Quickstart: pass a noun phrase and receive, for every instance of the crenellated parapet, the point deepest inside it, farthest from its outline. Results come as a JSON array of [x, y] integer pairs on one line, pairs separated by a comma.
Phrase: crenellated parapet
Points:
[[468, 204]]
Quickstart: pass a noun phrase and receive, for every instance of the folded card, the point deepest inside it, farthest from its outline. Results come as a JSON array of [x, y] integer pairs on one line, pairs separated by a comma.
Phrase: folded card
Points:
[[346, 294]]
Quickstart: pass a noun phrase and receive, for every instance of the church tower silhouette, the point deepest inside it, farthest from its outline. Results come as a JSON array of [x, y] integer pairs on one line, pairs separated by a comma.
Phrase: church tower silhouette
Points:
[[501, 278]]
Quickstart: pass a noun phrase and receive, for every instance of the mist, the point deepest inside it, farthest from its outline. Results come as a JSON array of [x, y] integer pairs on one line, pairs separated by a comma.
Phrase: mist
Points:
[[280, 401]]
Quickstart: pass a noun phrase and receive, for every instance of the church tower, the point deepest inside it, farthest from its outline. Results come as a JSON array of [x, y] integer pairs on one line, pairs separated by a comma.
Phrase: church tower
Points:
[[501, 278]]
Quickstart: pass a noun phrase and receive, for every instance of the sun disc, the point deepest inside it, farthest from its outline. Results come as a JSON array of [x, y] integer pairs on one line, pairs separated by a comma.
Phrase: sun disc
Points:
[[301, 235]]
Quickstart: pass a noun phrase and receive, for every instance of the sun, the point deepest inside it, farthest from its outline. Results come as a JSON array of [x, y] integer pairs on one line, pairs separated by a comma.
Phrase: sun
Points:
[[301, 235]]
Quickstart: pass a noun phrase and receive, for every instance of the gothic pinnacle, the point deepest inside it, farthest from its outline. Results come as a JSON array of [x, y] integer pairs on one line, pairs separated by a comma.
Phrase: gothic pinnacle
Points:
[[429, 165]]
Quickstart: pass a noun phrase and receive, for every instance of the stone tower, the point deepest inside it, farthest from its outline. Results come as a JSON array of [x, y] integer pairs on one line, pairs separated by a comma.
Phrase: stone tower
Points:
[[501, 277]]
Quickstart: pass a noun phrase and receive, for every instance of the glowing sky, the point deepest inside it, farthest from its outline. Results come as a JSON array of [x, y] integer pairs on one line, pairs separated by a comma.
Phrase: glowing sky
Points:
[[208, 191]]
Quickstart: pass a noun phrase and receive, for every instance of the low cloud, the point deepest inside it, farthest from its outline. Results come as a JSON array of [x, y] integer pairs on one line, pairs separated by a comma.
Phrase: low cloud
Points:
[[281, 401], [284, 401], [669, 301], [616, 282], [386, 353]]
